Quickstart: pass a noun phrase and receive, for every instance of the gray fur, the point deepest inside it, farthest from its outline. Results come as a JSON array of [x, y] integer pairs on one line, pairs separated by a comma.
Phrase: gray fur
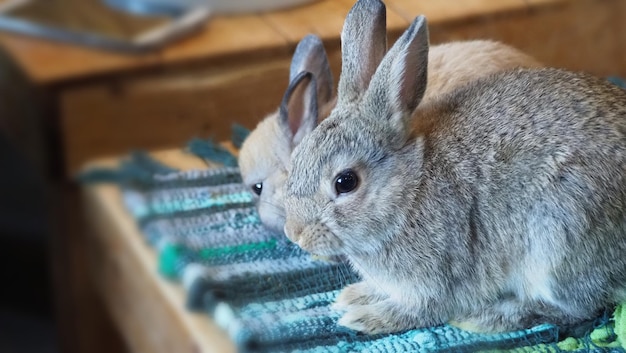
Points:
[[310, 56], [298, 111], [504, 205], [367, 40], [306, 94]]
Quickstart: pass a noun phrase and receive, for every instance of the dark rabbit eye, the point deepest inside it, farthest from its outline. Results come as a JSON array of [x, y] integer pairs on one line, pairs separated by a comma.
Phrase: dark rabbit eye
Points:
[[346, 181], [257, 188]]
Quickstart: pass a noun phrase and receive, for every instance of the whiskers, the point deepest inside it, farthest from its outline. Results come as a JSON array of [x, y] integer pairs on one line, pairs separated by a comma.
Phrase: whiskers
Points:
[[272, 216], [346, 274], [278, 210]]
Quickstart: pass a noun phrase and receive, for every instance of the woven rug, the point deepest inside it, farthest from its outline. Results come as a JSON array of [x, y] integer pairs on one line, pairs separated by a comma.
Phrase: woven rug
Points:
[[265, 292]]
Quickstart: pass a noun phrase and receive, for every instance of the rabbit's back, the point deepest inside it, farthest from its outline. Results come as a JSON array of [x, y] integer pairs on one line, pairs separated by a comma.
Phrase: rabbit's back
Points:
[[452, 65], [540, 158], [530, 119]]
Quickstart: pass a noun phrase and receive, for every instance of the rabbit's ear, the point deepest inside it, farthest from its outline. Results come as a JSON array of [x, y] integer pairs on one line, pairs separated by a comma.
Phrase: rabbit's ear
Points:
[[310, 56], [363, 45], [298, 110], [400, 80]]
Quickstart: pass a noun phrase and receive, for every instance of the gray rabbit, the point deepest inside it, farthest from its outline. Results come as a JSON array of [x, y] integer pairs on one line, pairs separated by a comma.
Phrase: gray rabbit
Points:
[[500, 205], [265, 154]]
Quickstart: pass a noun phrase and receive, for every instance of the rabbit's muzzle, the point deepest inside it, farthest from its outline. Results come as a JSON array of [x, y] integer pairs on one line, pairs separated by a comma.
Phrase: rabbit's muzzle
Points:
[[293, 230], [315, 238]]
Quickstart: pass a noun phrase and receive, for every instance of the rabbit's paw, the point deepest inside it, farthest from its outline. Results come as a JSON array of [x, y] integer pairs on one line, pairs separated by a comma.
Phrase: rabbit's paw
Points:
[[374, 319], [360, 293]]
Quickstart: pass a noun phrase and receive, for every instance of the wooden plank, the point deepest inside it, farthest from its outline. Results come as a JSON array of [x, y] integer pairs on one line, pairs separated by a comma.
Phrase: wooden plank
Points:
[[227, 37], [83, 323], [167, 110], [110, 118], [48, 62], [148, 309], [620, 26], [322, 18], [534, 3], [579, 35], [453, 10], [45, 61], [275, 33], [175, 158]]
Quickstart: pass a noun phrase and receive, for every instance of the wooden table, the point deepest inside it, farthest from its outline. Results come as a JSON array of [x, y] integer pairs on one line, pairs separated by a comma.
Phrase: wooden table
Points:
[[91, 103], [65, 105], [148, 310]]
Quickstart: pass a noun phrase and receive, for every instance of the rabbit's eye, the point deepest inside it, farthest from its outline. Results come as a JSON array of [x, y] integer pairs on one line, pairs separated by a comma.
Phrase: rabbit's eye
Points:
[[346, 181], [257, 188]]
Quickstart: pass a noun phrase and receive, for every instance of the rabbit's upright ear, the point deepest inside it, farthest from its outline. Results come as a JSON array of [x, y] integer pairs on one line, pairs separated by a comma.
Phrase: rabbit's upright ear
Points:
[[310, 56], [298, 110], [400, 81], [363, 45]]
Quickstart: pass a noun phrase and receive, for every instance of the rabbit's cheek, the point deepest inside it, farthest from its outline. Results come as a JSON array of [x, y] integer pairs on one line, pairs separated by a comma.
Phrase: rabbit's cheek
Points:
[[272, 217]]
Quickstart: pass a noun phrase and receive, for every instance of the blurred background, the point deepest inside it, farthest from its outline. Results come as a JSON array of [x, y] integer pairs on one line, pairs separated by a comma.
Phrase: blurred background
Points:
[[26, 305], [82, 80]]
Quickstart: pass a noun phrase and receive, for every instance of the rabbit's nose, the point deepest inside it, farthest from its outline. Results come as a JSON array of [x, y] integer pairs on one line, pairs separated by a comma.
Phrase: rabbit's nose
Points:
[[293, 230]]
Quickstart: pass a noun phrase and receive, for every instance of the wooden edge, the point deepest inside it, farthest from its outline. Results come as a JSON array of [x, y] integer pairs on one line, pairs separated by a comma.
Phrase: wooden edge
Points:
[[175, 158], [219, 39], [148, 309], [118, 235]]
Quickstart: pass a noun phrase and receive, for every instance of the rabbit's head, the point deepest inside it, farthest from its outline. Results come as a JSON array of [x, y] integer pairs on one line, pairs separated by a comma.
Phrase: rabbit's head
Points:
[[349, 177], [266, 153]]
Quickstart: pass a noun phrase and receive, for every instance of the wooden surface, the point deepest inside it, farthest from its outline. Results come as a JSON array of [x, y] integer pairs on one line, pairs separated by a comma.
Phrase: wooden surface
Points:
[[236, 68], [152, 111], [274, 33], [82, 322], [166, 111], [148, 309], [581, 35]]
